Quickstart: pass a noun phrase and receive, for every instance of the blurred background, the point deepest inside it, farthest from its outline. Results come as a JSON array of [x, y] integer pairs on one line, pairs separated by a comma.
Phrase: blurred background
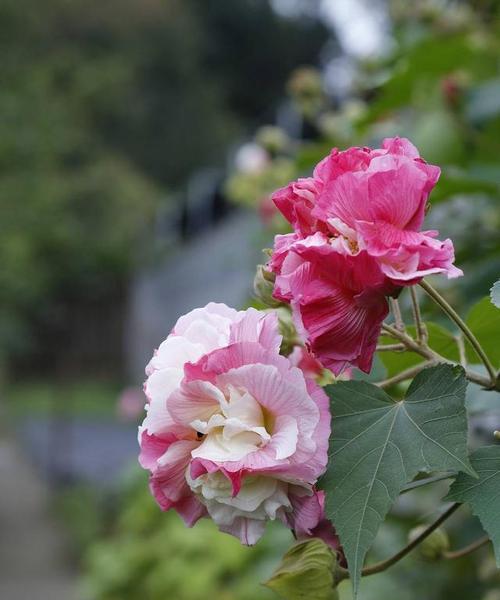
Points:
[[140, 140]]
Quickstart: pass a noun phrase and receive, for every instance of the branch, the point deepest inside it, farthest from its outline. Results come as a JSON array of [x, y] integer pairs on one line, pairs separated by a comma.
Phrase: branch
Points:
[[410, 343], [430, 355], [391, 348], [407, 373], [385, 564], [398, 317], [454, 316], [468, 549], [341, 573]]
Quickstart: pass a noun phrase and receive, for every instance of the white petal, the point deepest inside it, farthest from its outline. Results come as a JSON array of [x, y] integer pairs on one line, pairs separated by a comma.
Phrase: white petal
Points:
[[175, 351]]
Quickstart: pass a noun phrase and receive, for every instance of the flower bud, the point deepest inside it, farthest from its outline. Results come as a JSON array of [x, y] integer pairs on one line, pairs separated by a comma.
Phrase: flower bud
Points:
[[287, 330], [273, 139], [263, 286], [434, 545], [306, 88], [305, 82], [307, 570]]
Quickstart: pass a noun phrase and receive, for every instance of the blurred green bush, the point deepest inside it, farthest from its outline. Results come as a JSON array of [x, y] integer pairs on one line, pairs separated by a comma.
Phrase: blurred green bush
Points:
[[151, 555]]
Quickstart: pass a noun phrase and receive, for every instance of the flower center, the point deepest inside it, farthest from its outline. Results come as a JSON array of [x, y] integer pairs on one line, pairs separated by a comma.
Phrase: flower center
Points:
[[238, 427]]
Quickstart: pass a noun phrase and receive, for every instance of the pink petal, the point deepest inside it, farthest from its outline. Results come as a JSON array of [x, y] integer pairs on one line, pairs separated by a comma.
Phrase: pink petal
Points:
[[234, 356], [272, 391], [398, 196], [285, 437], [194, 400], [249, 531], [152, 447], [190, 509], [257, 326], [168, 482], [307, 512]]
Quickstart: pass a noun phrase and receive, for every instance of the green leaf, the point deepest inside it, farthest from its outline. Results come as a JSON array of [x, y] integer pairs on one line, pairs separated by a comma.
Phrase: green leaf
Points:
[[484, 322], [495, 294], [440, 339], [379, 445], [482, 494], [306, 571]]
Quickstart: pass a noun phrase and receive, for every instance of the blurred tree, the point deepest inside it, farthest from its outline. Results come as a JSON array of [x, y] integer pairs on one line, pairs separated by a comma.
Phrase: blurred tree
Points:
[[103, 106]]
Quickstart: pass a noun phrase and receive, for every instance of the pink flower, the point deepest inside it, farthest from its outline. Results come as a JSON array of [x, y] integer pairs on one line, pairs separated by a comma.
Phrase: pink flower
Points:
[[233, 430], [338, 301], [372, 200], [357, 239]]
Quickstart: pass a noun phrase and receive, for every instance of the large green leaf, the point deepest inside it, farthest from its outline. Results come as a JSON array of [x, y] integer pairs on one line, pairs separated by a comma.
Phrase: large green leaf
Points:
[[440, 339], [482, 494], [379, 445], [484, 321]]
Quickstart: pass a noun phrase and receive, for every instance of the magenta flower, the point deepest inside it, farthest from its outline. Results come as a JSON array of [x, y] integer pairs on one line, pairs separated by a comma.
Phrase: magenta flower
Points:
[[357, 239], [234, 431], [338, 301], [373, 200]]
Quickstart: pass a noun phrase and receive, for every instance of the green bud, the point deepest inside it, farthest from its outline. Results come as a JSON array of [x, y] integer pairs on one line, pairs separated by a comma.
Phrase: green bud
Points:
[[272, 138], [305, 82], [307, 570], [306, 88], [287, 329], [263, 286], [434, 545]]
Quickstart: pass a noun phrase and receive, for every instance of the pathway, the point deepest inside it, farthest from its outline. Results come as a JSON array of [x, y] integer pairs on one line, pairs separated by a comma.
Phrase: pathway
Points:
[[33, 565]]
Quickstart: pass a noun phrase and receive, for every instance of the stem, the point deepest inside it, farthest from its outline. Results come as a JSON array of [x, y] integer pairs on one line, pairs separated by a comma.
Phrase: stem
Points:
[[385, 564], [426, 352], [407, 373], [468, 549], [454, 316], [422, 335], [410, 343], [398, 317], [391, 348], [461, 350]]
